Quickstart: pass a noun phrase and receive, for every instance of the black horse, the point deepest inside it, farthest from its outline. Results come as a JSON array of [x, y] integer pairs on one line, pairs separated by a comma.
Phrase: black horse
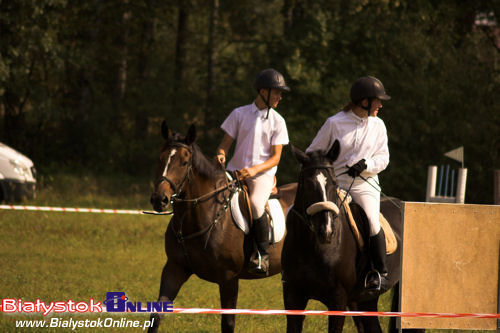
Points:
[[320, 258]]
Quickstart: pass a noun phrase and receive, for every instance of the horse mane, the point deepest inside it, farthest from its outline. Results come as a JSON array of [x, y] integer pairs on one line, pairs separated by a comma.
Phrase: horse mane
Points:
[[317, 157], [204, 165]]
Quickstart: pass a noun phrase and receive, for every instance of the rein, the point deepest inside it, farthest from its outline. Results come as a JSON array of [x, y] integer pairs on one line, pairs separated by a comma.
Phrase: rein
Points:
[[208, 195], [181, 238], [378, 189]]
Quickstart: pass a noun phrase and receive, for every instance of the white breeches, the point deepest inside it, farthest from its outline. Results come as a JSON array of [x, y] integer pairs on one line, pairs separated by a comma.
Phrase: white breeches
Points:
[[366, 196], [260, 188]]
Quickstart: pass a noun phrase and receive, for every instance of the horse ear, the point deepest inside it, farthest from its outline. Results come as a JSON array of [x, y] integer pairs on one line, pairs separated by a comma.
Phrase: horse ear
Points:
[[165, 131], [334, 152], [299, 154], [191, 135]]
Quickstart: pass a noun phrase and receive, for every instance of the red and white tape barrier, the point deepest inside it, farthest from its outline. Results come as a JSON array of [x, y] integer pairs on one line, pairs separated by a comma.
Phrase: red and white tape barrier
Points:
[[253, 311], [72, 210], [329, 313], [337, 313]]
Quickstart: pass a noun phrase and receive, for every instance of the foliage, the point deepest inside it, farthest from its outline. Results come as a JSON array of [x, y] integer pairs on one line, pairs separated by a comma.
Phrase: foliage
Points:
[[87, 84]]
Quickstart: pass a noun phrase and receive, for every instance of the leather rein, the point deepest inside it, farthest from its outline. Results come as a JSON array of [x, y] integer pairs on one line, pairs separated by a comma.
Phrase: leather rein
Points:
[[233, 186]]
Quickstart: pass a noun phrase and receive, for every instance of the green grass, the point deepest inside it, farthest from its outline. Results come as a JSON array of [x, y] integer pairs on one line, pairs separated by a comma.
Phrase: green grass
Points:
[[78, 256]]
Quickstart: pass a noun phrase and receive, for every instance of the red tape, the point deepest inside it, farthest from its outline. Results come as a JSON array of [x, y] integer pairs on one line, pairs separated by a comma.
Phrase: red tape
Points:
[[71, 210], [259, 312], [335, 313]]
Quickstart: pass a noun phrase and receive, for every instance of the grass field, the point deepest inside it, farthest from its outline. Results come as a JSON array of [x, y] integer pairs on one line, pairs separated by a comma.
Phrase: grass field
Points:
[[78, 256]]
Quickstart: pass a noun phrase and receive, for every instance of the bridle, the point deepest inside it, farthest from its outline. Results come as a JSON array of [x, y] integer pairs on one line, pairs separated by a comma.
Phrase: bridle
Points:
[[303, 215], [233, 186], [177, 189]]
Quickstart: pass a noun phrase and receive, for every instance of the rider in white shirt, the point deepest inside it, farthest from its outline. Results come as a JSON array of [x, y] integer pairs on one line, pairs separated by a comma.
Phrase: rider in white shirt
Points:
[[363, 153], [260, 133]]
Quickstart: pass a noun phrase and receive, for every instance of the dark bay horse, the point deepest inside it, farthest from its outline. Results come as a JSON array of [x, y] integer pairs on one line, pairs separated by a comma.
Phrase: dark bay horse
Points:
[[320, 258], [201, 237]]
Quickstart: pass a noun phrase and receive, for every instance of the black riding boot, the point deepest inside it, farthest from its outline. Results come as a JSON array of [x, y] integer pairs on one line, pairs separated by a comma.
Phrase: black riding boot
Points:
[[260, 262], [377, 278]]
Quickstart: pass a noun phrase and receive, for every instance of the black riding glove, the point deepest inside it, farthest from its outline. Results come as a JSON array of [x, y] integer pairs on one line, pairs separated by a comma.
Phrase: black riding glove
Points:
[[356, 169]]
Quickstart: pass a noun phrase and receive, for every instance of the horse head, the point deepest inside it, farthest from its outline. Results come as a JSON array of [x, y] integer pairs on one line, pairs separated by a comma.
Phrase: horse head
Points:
[[174, 166], [317, 197]]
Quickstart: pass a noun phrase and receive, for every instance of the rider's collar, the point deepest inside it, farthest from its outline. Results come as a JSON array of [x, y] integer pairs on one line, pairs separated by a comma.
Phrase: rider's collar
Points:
[[261, 113], [357, 118]]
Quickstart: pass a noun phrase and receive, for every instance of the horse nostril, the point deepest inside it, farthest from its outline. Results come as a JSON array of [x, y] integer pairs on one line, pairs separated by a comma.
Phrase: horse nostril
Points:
[[166, 200]]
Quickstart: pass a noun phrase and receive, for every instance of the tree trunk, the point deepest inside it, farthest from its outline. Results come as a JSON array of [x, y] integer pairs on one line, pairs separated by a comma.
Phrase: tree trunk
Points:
[[180, 53], [14, 118], [210, 116], [121, 78], [146, 44]]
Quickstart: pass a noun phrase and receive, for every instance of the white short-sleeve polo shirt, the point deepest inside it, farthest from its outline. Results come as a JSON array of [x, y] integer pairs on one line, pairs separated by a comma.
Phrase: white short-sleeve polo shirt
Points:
[[255, 135]]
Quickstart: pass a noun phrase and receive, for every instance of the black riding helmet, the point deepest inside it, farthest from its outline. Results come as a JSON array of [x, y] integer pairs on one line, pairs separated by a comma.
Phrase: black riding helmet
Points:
[[368, 87], [269, 79]]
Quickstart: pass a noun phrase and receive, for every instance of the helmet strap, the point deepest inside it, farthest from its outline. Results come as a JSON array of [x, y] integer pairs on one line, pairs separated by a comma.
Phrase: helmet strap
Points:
[[266, 100], [368, 107]]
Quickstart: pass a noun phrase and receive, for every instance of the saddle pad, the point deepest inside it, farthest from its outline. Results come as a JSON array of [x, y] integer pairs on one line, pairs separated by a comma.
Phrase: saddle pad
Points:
[[391, 243], [277, 218]]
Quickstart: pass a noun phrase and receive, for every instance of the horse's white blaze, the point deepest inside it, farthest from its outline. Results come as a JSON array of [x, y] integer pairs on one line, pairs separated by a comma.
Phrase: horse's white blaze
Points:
[[165, 171], [321, 179]]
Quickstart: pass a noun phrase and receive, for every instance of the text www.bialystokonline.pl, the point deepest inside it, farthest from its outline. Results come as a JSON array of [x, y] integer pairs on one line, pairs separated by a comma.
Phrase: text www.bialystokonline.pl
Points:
[[74, 324]]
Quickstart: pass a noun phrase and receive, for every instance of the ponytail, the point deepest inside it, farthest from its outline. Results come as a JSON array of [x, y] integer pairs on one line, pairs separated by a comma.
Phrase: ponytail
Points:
[[348, 106]]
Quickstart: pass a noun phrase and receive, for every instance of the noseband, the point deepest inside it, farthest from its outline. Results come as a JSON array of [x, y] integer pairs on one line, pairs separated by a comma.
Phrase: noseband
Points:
[[178, 188], [305, 216]]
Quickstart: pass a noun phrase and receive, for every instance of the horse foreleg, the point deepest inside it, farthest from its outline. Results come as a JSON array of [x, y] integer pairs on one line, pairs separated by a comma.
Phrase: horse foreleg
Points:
[[293, 299], [173, 277], [337, 301], [367, 324], [228, 299]]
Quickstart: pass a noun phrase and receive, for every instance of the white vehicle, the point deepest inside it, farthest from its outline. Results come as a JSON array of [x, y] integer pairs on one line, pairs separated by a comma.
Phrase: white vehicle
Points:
[[17, 175]]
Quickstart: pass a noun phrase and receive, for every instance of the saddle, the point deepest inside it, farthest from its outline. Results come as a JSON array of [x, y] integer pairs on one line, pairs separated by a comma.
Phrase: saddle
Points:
[[244, 200], [242, 212], [390, 239]]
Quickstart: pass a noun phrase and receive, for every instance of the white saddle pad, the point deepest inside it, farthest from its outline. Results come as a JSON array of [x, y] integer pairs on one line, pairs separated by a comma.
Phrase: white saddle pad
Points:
[[277, 218]]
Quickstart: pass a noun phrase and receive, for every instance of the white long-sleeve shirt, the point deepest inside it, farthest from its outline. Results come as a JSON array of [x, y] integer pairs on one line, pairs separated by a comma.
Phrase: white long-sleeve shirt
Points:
[[255, 135], [359, 138]]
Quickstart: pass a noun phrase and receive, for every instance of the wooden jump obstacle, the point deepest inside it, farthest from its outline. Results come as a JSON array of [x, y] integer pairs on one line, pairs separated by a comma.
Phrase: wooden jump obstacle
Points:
[[450, 264]]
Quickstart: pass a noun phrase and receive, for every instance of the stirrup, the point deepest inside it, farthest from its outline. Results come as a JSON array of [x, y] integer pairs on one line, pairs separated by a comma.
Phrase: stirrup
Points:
[[378, 276], [259, 266], [259, 269]]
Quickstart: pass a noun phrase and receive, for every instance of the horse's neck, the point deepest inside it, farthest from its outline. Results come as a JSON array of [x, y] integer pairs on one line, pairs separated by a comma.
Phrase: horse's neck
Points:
[[201, 184], [298, 203]]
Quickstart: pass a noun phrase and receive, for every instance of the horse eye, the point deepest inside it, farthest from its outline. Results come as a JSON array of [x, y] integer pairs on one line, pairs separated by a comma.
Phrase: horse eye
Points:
[[184, 163]]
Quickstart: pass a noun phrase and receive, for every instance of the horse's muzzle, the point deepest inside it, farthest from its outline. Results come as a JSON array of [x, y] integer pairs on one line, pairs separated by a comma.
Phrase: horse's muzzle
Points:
[[160, 203], [324, 212], [323, 225]]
